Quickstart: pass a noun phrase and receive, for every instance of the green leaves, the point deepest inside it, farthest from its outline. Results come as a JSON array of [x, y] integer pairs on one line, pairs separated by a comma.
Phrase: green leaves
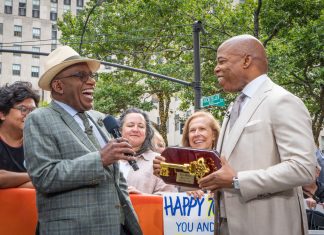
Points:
[[157, 36], [116, 92]]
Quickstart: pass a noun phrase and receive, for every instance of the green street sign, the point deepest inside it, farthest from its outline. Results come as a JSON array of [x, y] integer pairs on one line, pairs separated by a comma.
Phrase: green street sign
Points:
[[205, 101], [214, 100]]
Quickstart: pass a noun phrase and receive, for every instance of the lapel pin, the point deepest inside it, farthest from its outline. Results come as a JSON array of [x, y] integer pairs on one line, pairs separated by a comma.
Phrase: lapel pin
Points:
[[100, 122]]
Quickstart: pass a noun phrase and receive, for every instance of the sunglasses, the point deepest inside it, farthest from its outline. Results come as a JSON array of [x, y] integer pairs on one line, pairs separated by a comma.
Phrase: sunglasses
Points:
[[24, 110], [83, 76]]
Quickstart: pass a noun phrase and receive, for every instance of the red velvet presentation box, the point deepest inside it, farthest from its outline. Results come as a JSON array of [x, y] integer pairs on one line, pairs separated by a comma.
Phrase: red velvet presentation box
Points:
[[185, 166]]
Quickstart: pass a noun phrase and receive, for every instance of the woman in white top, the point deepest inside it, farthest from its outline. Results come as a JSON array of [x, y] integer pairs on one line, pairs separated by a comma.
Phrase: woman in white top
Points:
[[136, 128]]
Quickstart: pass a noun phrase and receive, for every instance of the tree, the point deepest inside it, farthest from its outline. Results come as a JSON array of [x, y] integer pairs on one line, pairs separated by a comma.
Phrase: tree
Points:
[[157, 36], [149, 40]]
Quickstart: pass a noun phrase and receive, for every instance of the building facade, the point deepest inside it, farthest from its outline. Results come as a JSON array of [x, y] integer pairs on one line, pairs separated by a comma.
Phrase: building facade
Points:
[[175, 122], [30, 25]]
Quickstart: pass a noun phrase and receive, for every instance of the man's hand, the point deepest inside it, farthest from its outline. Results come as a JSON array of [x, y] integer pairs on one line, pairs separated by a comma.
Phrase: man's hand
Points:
[[157, 165], [115, 150], [311, 203], [223, 178]]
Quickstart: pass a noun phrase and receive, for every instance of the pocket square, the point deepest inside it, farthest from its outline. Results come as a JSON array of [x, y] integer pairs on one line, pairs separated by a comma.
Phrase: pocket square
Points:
[[254, 122]]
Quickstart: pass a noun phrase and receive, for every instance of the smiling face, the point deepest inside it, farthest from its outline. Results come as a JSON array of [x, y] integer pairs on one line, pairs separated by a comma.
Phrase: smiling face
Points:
[[72, 91], [229, 69], [201, 135], [15, 119], [134, 129]]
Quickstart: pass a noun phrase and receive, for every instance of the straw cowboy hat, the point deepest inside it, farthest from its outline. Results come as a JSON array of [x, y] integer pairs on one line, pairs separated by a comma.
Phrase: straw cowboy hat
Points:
[[60, 59]]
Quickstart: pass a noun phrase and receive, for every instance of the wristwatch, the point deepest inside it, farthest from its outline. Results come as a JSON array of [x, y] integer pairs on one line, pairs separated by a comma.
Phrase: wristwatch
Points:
[[236, 183]]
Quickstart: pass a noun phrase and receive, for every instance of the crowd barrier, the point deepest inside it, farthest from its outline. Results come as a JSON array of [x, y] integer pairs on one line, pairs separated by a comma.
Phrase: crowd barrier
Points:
[[18, 214]]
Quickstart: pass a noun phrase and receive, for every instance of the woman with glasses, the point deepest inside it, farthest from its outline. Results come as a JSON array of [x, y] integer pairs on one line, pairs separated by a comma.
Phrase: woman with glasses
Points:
[[16, 102]]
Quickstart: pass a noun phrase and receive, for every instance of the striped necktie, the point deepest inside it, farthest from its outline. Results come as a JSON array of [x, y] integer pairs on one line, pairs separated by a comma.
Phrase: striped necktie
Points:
[[88, 130], [235, 113]]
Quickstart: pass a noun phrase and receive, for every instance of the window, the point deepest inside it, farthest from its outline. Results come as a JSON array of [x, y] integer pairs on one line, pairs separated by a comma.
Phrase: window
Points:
[[67, 2], [181, 127], [66, 8], [53, 46], [80, 3], [35, 49], [17, 30], [78, 11], [54, 34], [36, 33], [22, 8], [36, 8], [35, 71], [8, 7], [16, 69], [35, 13], [0, 47], [17, 47], [1, 28], [53, 14], [0, 67], [176, 122], [54, 1]]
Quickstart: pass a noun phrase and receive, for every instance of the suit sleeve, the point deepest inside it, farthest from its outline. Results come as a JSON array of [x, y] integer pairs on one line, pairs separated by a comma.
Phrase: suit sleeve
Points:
[[290, 124], [50, 170]]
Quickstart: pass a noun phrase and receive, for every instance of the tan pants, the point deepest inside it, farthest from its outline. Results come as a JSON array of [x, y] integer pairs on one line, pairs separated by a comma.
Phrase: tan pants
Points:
[[224, 228]]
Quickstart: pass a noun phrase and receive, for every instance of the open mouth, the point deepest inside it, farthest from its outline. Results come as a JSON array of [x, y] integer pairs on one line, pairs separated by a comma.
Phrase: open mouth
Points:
[[88, 93]]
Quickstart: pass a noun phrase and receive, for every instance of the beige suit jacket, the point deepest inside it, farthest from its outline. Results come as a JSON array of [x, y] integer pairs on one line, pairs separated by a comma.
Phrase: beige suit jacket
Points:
[[271, 147]]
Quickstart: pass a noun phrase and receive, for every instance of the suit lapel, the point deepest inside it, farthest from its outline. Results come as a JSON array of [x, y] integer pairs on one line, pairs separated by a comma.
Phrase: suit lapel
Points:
[[99, 128], [73, 126], [111, 168], [231, 137], [222, 133]]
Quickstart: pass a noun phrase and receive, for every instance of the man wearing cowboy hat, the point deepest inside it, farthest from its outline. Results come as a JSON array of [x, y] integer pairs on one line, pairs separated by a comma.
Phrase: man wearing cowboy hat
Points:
[[80, 189]]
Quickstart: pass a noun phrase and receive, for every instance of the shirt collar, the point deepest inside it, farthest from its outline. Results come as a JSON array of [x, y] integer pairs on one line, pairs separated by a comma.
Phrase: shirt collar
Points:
[[67, 108], [147, 155], [254, 85]]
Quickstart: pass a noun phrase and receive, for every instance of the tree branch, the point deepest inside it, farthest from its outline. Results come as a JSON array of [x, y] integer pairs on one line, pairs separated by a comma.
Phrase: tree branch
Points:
[[256, 19], [274, 33]]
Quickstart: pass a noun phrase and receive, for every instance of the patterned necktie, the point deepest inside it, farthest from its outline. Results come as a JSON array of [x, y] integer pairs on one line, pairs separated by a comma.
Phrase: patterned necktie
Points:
[[235, 113], [88, 130]]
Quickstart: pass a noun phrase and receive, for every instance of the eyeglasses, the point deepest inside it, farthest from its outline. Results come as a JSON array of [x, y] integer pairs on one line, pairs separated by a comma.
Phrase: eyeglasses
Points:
[[83, 76], [24, 110]]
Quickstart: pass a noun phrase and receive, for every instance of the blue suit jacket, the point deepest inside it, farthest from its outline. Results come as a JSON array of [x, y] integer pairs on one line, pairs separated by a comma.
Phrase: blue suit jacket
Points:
[[75, 193]]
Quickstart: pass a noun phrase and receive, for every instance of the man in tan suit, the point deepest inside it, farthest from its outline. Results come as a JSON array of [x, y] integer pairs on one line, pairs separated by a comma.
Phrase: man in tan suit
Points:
[[267, 152]]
